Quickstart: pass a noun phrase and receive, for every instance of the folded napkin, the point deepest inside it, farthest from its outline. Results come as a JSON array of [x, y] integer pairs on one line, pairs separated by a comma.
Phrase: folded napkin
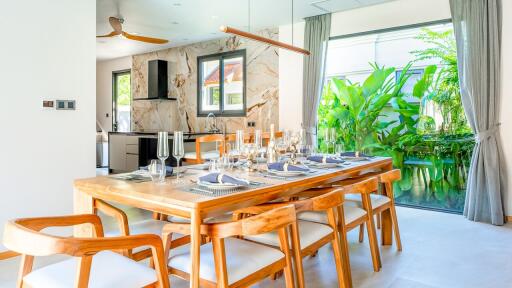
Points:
[[168, 169], [352, 154], [324, 159], [283, 166], [223, 178]]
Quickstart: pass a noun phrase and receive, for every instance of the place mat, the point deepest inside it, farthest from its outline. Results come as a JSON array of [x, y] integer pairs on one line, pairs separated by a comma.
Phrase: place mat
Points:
[[135, 176], [196, 189], [266, 174]]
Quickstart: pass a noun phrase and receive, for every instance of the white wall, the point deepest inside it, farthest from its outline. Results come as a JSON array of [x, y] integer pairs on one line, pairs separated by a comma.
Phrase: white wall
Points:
[[391, 14], [506, 96], [104, 71], [290, 78], [47, 51]]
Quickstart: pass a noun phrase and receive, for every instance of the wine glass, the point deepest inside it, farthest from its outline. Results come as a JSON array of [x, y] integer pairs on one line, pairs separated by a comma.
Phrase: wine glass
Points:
[[239, 142], [154, 170], [178, 152], [258, 139], [163, 152], [332, 137], [327, 139]]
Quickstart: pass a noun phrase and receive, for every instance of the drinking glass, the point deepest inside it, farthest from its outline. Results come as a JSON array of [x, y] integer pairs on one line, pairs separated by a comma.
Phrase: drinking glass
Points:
[[339, 148], [178, 152], [332, 137], [327, 139], [239, 141], [155, 170], [214, 165], [162, 152], [257, 139]]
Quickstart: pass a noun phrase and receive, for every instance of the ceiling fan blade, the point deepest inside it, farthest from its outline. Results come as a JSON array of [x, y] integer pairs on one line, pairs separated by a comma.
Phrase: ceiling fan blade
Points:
[[111, 34], [145, 39], [116, 24]]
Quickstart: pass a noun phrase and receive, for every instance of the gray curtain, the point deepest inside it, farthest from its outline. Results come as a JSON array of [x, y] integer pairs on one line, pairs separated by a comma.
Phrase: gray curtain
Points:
[[316, 37], [478, 31]]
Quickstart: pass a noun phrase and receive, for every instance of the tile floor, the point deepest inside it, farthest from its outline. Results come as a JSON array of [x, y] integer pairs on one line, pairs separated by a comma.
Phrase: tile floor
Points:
[[440, 250]]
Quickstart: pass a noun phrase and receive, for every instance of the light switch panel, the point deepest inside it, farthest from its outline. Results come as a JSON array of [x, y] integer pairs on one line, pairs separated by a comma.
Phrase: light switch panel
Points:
[[65, 104]]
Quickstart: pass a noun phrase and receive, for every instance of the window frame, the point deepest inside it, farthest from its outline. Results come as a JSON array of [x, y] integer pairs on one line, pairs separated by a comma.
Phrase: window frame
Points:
[[115, 75], [221, 57]]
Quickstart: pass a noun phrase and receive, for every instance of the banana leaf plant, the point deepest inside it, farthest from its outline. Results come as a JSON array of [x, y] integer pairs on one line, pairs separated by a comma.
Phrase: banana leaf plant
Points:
[[361, 106]]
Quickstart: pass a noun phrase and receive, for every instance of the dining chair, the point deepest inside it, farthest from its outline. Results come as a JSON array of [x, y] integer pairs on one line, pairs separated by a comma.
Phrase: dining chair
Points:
[[147, 226], [198, 156], [312, 235], [6, 254], [95, 264], [382, 203], [228, 261], [353, 216]]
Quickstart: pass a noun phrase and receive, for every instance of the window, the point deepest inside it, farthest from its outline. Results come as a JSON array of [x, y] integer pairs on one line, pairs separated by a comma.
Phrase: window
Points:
[[221, 85], [121, 101]]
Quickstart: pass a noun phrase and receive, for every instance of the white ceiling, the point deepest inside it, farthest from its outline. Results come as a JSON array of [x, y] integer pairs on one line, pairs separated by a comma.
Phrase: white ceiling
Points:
[[188, 21]]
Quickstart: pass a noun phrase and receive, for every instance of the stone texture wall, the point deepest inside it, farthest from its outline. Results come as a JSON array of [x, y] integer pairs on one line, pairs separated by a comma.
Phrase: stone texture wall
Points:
[[262, 86]]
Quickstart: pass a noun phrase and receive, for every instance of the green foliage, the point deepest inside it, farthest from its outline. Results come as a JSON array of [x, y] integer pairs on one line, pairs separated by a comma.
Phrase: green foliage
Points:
[[123, 90], [444, 87], [375, 117]]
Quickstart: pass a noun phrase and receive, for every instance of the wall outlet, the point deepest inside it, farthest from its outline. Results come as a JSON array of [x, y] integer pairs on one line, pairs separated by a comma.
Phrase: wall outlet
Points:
[[251, 124]]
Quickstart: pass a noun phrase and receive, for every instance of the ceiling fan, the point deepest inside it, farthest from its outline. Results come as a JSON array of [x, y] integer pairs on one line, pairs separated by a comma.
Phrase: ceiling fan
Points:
[[117, 25]]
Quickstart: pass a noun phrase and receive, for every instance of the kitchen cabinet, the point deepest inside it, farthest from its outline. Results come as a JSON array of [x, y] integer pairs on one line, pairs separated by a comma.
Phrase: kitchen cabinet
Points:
[[123, 152]]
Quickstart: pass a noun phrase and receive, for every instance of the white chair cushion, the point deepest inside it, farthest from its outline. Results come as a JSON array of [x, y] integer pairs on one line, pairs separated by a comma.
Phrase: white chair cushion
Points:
[[377, 200], [148, 226], [177, 219], [243, 258], [310, 232], [108, 270], [228, 217], [204, 155], [351, 214]]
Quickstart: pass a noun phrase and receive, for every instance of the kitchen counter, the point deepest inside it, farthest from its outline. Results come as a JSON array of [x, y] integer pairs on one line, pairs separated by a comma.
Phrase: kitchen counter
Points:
[[130, 150]]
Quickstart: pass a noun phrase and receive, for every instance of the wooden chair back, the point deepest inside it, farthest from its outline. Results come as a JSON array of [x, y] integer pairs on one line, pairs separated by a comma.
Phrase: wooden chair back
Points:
[[390, 176], [387, 179], [366, 186], [218, 138], [24, 236]]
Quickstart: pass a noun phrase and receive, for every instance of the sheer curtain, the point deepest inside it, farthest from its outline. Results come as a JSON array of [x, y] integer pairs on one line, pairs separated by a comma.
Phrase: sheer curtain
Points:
[[478, 31], [316, 37]]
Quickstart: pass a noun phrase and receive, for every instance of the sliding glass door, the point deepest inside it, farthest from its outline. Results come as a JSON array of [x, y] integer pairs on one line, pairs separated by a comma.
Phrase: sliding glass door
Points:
[[395, 93]]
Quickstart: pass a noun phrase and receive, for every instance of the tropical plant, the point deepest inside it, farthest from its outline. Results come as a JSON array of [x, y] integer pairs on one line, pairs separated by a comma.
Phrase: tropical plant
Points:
[[446, 90], [355, 109]]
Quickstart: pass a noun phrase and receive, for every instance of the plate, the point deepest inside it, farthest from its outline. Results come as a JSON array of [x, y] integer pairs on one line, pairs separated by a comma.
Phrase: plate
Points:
[[354, 159], [286, 173], [322, 165], [218, 186]]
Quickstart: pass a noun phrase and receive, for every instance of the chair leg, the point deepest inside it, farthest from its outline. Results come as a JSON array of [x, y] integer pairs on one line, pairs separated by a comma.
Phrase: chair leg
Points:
[[285, 248], [361, 233], [374, 247], [396, 230], [378, 220], [297, 255]]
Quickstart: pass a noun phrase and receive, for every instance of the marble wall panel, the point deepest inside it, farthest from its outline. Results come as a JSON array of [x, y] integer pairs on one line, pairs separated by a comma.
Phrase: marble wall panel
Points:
[[262, 86]]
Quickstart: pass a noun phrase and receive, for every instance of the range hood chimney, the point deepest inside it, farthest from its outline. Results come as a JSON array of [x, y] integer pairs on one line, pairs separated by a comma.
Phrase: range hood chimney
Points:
[[157, 79]]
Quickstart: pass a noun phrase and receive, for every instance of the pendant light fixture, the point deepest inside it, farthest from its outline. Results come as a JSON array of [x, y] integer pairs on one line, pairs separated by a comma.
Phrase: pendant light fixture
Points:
[[251, 36]]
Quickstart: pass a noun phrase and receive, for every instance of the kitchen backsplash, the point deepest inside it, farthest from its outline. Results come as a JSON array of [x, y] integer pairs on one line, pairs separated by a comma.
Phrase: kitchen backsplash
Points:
[[262, 86]]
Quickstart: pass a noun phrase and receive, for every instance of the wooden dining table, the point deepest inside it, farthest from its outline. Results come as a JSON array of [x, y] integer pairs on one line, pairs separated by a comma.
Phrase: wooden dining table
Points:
[[178, 199]]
